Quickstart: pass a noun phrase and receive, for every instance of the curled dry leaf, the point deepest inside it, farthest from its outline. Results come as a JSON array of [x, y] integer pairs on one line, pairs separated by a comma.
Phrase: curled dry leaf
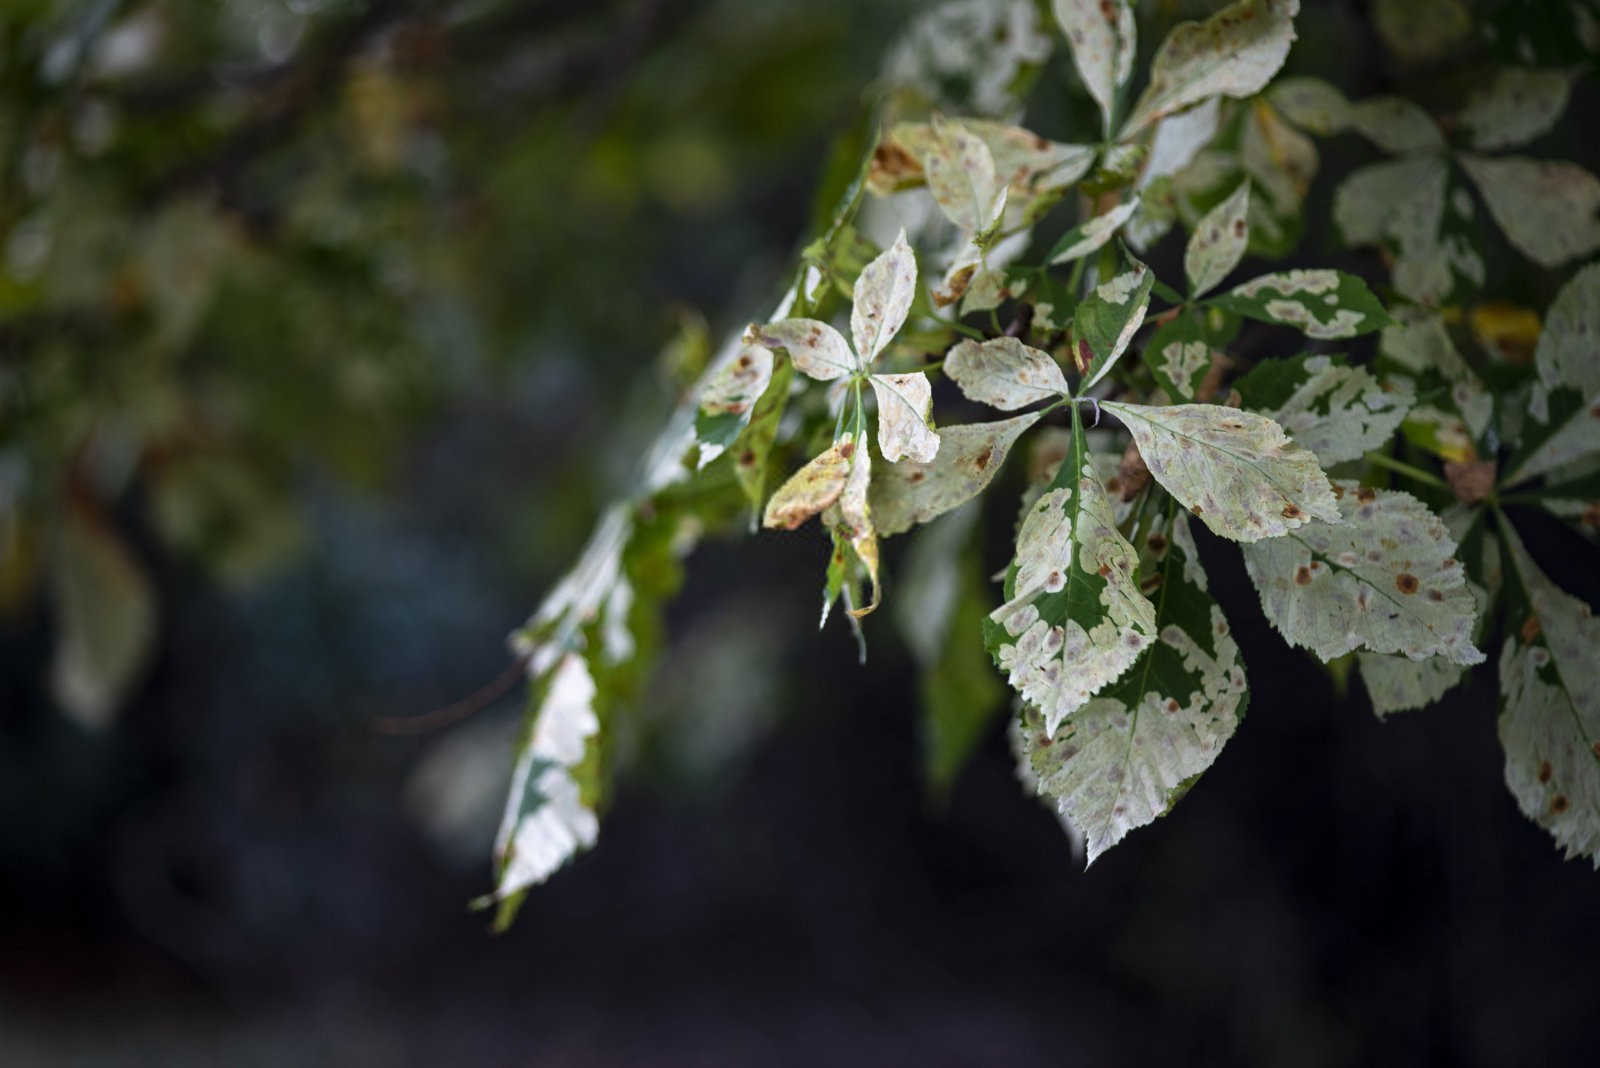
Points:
[[812, 488]]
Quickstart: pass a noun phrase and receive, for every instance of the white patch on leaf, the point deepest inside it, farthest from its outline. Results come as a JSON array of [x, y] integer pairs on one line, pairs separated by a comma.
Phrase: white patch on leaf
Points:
[[1092, 235], [1101, 35], [1547, 208], [1341, 412], [905, 411], [1517, 106]]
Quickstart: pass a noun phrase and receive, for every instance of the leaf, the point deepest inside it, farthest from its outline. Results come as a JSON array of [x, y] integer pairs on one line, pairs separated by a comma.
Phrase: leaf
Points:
[[545, 821], [1004, 373], [1337, 411], [1550, 707], [1396, 683], [1546, 208], [1565, 408], [1029, 167], [1110, 315], [961, 176], [1318, 303], [1178, 138], [1102, 36], [1233, 53], [812, 488], [1402, 203], [1125, 758], [754, 445], [1421, 31], [969, 455], [1091, 235], [1380, 576], [105, 616], [1218, 242], [1395, 125], [883, 295], [1236, 470], [850, 521], [1311, 104], [1516, 107], [905, 414], [1179, 354], [1074, 619], [959, 276], [816, 348], [729, 396]]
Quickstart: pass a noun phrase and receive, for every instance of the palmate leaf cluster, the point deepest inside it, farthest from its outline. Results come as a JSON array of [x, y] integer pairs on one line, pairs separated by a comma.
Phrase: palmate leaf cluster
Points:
[[1135, 423]]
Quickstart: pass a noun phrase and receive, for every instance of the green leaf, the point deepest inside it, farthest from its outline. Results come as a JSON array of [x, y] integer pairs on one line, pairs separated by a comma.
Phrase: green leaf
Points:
[[1102, 37], [1125, 758], [1337, 411], [1516, 107], [1563, 421], [1233, 53], [1318, 303], [1074, 619], [1004, 373], [883, 295], [1546, 208], [1380, 576], [1550, 706], [968, 457], [1110, 315], [1236, 470], [905, 417], [1218, 242]]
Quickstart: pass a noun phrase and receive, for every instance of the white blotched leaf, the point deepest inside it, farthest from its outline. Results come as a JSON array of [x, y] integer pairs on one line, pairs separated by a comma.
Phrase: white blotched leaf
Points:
[[1403, 202], [1218, 242], [1517, 106], [1091, 236], [1568, 362], [1233, 53], [1027, 164], [816, 348], [738, 384], [883, 295], [1004, 373], [1236, 470], [1319, 303], [1074, 620], [545, 820], [909, 493], [1546, 208], [1395, 125], [1382, 576], [1311, 104], [1123, 759], [961, 176], [1101, 34], [1550, 709], [1109, 316], [814, 487], [1399, 684], [1178, 138], [1337, 411], [905, 411]]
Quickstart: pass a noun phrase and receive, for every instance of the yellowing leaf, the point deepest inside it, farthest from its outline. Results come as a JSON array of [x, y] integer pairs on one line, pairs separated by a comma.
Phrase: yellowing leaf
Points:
[[1233, 53], [814, 347], [909, 493], [1550, 707], [812, 488], [1546, 208], [905, 412], [883, 295], [1218, 242], [850, 520], [1004, 373], [1102, 36], [1382, 576], [1236, 470]]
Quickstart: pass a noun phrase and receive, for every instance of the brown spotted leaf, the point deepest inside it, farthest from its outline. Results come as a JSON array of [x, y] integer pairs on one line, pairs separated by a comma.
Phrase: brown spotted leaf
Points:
[[1218, 242], [814, 347], [883, 294], [905, 415], [961, 176], [1004, 373], [909, 493], [812, 488], [1102, 37]]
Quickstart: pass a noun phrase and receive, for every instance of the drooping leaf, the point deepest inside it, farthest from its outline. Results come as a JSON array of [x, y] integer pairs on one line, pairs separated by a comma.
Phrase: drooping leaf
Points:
[[1337, 411], [849, 519], [1074, 619], [1381, 576], [1517, 106], [729, 396], [969, 455], [1233, 53], [1004, 373], [1402, 203], [962, 179], [816, 348], [1218, 242], [1101, 35], [1547, 208], [754, 445], [883, 295], [1236, 470], [1550, 706], [905, 417], [1110, 315], [1318, 303], [546, 821], [812, 488], [1125, 758], [1564, 411], [1091, 235]]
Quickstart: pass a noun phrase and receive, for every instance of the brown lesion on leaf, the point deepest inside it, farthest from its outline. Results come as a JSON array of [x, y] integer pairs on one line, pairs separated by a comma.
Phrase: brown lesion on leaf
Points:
[[1545, 771], [1559, 804], [1132, 473], [1406, 583], [1529, 630], [1471, 481], [1302, 576], [1157, 542], [1291, 512], [1366, 494]]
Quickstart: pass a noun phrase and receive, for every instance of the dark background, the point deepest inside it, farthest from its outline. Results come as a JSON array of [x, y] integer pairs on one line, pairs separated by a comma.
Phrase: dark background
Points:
[[239, 868]]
